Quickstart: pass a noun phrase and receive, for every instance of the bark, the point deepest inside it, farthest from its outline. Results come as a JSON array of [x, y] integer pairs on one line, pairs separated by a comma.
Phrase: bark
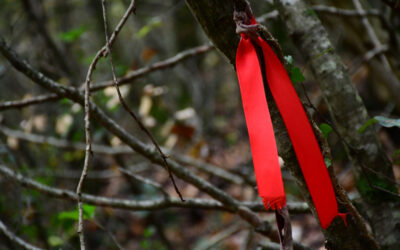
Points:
[[370, 164], [216, 19]]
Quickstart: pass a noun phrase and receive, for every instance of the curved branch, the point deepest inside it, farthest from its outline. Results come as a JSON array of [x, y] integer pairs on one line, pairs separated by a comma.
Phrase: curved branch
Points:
[[134, 143], [17, 240], [127, 79], [157, 204]]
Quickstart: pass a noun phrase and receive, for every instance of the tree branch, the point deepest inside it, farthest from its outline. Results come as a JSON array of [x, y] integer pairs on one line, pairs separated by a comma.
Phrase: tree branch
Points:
[[59, 54], [345, 12], [346, 109], [126, 107], [15, 239], [108, 150], [88, 151], [394, 84], [134, 143], [127, 79], [145, 181], [134, 205]]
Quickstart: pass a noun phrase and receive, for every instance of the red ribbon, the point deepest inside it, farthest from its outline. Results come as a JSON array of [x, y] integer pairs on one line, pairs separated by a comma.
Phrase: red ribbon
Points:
[[261, 134]]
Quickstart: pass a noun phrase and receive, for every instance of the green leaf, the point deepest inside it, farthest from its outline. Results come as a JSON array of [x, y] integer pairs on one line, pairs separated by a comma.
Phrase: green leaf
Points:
[[310, 12], [65, 101], [296, 76], [328, 162], [144, 244], [387, 122], [325, 129], [121, 69], [72, 35], [88, 210], [69, 215], [31, 231], [154, 23], [367, 124], [88, 213], [77, 136], [367, 188], [148, 232]]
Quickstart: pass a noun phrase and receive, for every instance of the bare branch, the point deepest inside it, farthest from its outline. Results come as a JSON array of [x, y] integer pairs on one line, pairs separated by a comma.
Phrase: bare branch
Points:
[[126, 107], [88, 151], [58, 53], [28, 101], [104, 149], [145, 181], [170, 62], [109, 234], [212, 241], [129, 78], [210, 169], [134, 143], [374, 52], [134, 205], [60, 143], [371, 33], [267, 16], [14, 238], [345, 12], [394, 83]]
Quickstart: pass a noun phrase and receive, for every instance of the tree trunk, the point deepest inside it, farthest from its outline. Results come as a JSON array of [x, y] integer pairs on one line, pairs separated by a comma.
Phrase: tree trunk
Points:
[[370, 164], [346, 107]]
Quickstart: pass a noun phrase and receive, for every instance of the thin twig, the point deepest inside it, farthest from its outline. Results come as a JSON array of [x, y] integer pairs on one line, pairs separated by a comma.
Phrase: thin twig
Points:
[[112, 126], [267, 16], [65, 144], [345, 12], [145, 181], [374, 52], [371, 33], [375, 40], [392, 82], [213, 241], [109, 233], [129, 204], [74, 174], [210, 169], [247, 242], [351, 148], [88, 151], [28, 101], [58, 53], [108, 150], [127, 79], [126, 107], [134, 143], [167, 63], [15, 239]]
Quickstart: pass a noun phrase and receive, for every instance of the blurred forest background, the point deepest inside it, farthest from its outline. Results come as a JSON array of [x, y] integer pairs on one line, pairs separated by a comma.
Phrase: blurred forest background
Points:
[[185, 92]]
